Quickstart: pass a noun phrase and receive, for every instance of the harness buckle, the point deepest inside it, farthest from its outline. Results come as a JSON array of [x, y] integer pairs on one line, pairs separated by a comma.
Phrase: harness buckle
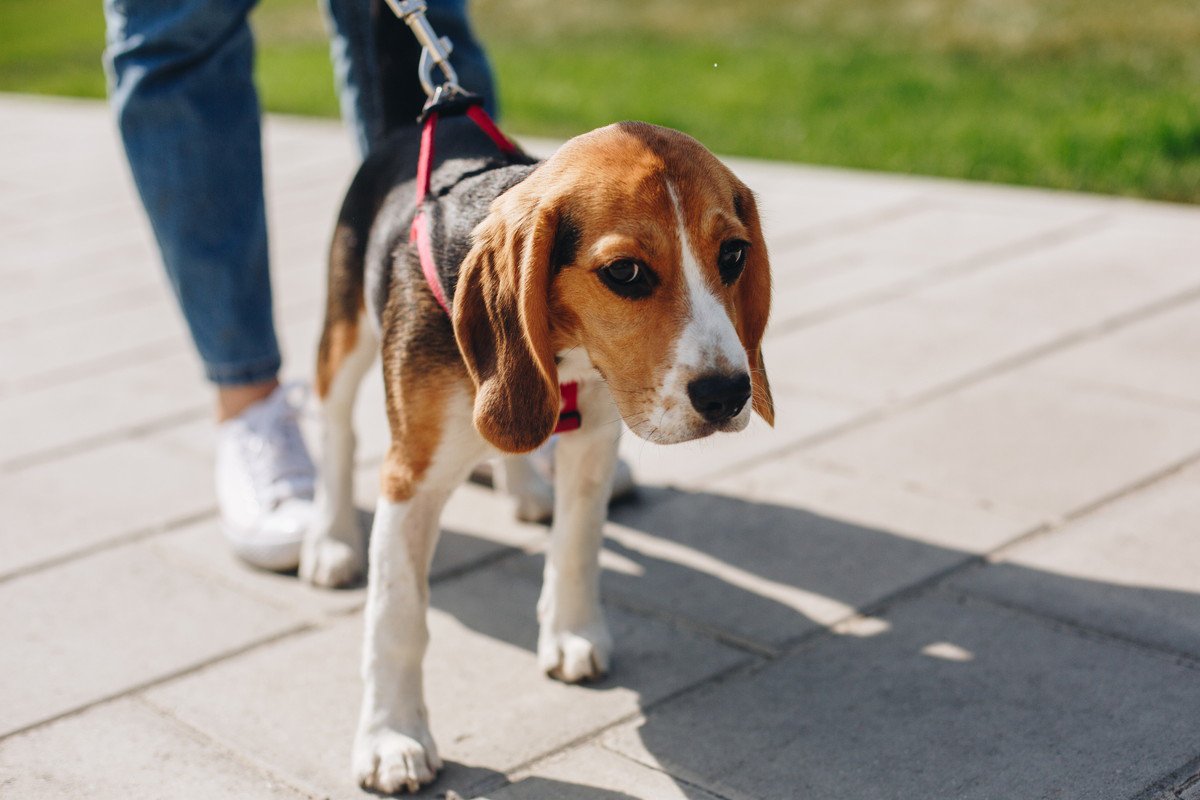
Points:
[[448, 100]]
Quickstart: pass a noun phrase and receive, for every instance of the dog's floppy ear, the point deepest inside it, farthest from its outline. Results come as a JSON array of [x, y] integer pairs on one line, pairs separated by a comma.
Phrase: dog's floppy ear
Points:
[[753, 301], [501, 321]]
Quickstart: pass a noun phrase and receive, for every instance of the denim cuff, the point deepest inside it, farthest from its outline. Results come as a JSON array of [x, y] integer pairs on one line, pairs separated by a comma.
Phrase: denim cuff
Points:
[[245, 372]]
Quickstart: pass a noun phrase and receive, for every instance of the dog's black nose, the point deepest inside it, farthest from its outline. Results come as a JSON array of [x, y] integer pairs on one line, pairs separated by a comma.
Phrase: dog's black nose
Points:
[[719, 397]]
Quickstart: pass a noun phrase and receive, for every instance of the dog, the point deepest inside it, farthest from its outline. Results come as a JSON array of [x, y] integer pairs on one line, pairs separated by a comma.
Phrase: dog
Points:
[[631, 262]]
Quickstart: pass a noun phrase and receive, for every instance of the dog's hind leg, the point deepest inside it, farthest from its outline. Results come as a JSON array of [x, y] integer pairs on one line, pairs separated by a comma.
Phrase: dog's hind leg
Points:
[[334, 553], [434, 447], [573, 641]]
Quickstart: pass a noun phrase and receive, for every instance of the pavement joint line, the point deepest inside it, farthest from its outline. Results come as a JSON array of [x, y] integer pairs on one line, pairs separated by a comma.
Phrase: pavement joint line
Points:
[[693, 782], [1173, 784], [1051, 526], [940, 581], [1135, 393], [731, 640], [164, 678], [1192, 771], [854, 222], [165, 346], [591, 736], [928, 491], [880, 607], [127, 357], [130, 297], [682, 623], [504, 553], [111, 543], [94, 254], [139, 430], [514, 777], [1178, 657], [626, 605], [968, 266], [492, 784], [963, 381], [258, 766]]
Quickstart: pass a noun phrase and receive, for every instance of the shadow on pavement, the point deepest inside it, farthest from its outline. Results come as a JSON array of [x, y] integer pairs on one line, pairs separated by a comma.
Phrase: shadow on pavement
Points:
[[957, 691]]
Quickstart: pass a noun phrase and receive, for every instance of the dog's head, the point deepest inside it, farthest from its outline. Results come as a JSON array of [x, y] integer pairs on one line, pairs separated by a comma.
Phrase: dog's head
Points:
[[635, 243]]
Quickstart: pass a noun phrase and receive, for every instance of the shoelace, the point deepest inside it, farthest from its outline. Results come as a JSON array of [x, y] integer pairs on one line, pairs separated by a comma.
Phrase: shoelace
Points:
[[278, 459]]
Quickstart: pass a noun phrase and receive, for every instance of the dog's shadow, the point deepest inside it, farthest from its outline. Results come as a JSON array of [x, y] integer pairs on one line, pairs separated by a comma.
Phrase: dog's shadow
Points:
[[760, 577]]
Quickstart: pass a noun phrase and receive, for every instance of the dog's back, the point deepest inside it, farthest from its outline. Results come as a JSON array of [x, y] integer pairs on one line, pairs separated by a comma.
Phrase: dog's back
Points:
[[367, 255]]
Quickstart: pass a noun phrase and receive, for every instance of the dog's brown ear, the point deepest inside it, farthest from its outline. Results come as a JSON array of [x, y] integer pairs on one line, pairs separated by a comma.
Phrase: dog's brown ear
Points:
[[501, 321], [754, 304]]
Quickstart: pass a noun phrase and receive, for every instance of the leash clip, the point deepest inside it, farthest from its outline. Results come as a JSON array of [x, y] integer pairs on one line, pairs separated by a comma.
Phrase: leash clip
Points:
[[435, 50]]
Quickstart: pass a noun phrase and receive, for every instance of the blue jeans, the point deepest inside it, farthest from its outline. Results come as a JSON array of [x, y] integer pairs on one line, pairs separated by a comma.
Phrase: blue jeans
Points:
[[181, 85]]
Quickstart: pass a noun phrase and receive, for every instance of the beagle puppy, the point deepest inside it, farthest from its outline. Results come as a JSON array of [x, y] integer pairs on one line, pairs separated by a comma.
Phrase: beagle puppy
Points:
[[631, 262]]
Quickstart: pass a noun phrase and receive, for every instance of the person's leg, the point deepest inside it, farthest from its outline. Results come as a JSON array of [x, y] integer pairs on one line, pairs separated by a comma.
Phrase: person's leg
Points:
[[182, 88], [188, 114], [355, 69]]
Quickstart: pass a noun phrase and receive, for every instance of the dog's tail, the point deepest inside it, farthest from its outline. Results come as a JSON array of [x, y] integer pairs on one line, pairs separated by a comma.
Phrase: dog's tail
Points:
[[344, 300]]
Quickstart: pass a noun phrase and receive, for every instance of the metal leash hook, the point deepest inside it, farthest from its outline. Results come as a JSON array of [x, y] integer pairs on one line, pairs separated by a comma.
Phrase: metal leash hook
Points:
[[435, 50]]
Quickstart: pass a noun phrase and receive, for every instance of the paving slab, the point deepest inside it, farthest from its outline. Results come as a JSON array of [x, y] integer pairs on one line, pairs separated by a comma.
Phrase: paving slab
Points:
[[803, 204], [491, 708], [201, 549], [900, 347], [46, 246], [101, 625], [954, 698], [1154, 356], [69, 505], [75, 291], [121, 338], [1119, 266], [124, 749], [91, 408], [883, 353], [1131, 570], [1022, 440], [593, 773], [931, 236]]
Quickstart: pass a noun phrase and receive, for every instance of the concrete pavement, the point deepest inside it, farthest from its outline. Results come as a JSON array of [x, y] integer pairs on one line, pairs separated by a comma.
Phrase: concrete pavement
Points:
[[965, 564]]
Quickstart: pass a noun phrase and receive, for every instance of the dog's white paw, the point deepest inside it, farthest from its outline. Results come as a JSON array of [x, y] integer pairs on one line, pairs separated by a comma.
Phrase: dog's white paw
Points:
[[330, 563], [575, 656], [388, 761]]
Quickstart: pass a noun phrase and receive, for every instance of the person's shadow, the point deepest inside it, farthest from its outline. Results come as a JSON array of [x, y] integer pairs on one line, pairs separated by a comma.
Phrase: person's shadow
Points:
[[767, 579]]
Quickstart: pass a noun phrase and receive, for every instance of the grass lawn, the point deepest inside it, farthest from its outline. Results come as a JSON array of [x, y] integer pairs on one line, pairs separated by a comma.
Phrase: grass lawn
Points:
[[1095, 95]]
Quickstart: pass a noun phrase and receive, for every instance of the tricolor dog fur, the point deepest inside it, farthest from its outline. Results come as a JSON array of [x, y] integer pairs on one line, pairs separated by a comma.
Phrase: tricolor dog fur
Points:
[[632, 261]]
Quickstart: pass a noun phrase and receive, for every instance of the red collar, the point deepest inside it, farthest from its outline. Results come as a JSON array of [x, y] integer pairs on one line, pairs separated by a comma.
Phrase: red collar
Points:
[[568, 414]]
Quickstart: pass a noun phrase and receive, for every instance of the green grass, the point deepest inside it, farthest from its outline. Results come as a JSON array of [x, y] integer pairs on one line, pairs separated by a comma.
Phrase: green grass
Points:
[[1094, 95]]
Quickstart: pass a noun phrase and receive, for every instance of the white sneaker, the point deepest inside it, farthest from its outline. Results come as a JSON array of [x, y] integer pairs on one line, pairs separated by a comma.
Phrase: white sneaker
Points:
[[265, 481]]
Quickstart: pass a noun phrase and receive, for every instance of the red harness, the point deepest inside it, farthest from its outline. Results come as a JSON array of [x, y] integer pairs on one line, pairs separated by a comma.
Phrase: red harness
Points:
[[568, 412]]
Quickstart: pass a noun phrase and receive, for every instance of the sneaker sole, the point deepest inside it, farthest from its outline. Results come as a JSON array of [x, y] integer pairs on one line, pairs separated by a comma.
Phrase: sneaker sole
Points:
[[271, 556]]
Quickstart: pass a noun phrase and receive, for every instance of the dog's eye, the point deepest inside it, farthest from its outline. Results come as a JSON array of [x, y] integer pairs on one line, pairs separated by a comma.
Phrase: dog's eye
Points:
[[625, 271], [628, 278], [732, 260]]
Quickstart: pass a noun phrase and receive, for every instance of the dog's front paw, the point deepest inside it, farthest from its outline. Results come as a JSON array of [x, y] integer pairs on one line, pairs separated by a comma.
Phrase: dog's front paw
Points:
[[388, 761], [575, 656], [330, 563]]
